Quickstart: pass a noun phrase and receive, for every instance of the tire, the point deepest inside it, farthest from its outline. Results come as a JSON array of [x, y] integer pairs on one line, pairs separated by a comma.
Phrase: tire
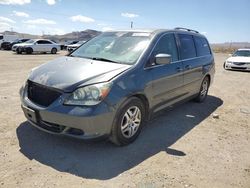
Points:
[[29, 50], [53, 51], [203, 90], [128, 122], [224, 65]]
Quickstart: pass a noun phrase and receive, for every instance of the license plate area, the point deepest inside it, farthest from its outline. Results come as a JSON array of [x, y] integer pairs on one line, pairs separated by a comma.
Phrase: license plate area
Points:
[[30, 114]]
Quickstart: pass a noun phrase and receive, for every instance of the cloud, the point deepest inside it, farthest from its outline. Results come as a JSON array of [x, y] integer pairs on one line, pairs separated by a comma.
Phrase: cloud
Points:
[[40, 21], [51, 2], [80, 18], [129, 15], [21, 14], [102, 24], [107, 28], [14, 2], [204, 32], [4, 19], [4, 26]]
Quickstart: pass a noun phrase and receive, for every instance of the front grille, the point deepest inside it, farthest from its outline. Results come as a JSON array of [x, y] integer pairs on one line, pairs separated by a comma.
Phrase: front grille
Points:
[[51, 127], [239, 63], [239, 68], [41, 95]]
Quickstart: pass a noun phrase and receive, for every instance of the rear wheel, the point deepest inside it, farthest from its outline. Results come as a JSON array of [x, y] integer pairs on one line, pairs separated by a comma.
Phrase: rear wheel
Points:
[[128, 122], [203, 90], [53, 50]]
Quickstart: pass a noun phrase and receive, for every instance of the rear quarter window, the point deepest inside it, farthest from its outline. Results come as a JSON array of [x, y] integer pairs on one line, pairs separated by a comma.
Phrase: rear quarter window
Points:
[[202, 46], [187, 47]]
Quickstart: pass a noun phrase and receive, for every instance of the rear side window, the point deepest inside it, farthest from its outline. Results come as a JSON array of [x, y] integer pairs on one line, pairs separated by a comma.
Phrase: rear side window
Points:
[[43, 42], [47, 42], [202, 46], [187, 47], [167, 45]]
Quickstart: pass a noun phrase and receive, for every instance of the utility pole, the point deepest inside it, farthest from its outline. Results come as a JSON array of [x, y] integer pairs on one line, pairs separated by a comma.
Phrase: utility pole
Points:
[[131, 25]]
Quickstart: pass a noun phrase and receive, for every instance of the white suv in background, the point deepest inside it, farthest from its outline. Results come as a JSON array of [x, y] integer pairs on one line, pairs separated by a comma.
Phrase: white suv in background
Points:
[[36, 45]]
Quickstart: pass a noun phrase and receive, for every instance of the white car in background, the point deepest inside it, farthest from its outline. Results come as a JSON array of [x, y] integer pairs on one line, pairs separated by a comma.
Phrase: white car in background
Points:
[[72, 47], [240, 60], [36, 45]]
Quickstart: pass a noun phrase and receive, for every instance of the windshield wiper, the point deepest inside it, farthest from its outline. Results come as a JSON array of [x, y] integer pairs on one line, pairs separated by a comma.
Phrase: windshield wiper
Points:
[[104, 59]]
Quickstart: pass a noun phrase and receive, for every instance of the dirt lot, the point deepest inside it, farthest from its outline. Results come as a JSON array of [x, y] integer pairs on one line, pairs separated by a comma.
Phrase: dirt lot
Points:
[[183, 147]]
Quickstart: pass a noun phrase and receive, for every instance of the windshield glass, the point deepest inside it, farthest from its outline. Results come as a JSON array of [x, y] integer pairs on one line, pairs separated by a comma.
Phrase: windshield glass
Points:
[[30, 41], [244, 53], [120, 47]]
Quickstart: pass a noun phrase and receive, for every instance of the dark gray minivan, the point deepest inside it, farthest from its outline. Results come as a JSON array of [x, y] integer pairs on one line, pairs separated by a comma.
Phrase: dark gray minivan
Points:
[[112, 84]]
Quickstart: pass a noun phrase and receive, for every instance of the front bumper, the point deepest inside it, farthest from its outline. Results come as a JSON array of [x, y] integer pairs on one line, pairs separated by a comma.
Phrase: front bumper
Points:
[[75, 121], [237, 66]]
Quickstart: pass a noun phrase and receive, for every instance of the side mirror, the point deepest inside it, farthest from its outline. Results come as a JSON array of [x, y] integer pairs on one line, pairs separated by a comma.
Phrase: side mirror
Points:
[[162, 59]]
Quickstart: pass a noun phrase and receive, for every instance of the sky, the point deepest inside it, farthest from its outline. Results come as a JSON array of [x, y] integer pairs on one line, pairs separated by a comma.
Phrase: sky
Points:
[[220, 20]]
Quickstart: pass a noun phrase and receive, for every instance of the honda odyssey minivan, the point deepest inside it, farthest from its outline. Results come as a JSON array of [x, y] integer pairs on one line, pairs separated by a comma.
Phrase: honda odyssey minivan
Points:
[[111, 85]]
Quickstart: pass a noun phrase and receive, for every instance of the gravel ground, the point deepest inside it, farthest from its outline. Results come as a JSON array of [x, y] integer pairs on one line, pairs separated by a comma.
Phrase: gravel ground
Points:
[[191, 145]]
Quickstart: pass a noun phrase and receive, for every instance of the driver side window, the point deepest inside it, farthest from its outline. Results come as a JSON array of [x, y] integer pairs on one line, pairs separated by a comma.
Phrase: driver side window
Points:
[[167, 45]]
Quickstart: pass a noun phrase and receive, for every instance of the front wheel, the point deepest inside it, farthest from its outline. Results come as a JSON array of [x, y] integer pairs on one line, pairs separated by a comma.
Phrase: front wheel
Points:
[[18, 51], [203, 90], [53, 50], [29, 50], [128, 122]]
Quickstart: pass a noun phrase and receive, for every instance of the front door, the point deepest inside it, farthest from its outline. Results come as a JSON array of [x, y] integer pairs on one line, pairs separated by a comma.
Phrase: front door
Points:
[[167, 79]]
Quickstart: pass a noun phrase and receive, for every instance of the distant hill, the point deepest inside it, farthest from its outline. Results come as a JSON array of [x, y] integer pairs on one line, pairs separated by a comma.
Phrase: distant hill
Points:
[[229, 47], [21, 35], [76, 35]]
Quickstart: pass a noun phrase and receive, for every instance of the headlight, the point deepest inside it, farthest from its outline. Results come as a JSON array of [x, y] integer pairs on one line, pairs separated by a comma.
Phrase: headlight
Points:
[[229, 62], [89, 95]]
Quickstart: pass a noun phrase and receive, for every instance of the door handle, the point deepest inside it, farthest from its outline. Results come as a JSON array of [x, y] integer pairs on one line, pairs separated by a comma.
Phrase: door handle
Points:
[[188, 67], [179, 69]]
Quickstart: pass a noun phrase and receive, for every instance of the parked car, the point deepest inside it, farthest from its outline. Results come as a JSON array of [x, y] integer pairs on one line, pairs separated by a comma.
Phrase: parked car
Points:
[[8, 45], [72, 47], [36, 45], [7, 38], [240, 60], [65, 47], [111, 85]]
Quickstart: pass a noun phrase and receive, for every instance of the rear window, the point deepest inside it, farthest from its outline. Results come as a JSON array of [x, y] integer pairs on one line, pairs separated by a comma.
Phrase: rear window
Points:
[[187, 47], [202, 46]]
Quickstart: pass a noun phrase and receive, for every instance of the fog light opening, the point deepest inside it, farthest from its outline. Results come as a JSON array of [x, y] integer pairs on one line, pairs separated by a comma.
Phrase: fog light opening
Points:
[[74, 131]]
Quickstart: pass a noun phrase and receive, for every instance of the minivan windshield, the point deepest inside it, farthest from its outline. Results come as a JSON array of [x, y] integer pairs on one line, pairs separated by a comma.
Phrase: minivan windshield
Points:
[[117, 47], [244, 53]]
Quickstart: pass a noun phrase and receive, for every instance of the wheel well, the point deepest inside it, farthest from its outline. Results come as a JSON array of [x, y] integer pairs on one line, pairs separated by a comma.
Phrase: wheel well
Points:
[[145, 102]]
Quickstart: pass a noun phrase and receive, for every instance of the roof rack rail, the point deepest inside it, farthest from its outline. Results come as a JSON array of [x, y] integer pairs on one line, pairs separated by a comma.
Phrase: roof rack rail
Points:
[[186, 29]]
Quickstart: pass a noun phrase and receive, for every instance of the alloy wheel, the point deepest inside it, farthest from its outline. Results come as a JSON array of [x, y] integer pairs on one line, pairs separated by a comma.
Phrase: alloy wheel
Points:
[[131, 122]]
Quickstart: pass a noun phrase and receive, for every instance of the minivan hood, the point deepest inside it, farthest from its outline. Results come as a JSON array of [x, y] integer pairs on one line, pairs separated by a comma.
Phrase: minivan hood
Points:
[[67, 73]]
